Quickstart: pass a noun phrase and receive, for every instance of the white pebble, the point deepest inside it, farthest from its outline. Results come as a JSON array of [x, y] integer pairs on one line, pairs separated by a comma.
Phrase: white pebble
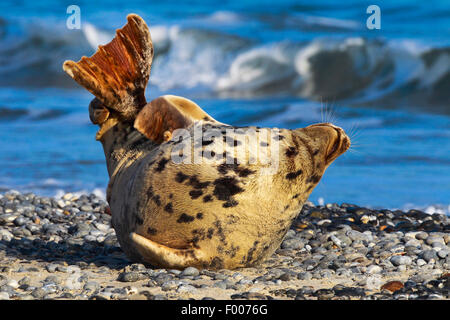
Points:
[[13, 283], [372, 269], [68, 196], [421, 262], [4, 296]]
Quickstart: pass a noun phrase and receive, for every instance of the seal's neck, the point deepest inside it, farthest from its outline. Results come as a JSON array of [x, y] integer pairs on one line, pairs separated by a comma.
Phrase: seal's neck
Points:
[[122, 144]]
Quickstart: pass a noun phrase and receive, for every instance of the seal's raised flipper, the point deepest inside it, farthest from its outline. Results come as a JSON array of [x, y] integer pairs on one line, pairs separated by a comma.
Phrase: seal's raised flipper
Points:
[[155, 253], [158, 119], [118, 72]]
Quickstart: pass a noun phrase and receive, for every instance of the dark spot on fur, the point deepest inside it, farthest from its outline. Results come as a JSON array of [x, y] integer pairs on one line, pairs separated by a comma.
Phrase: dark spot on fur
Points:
[[291, 152], [264, 144], [171, 196], [151, 231], [210, 233], [180, 177], [217, 263], [314, 179], [310, 188], [225, 167], [232, 219], [245, 172], [220, 233], [296, 196], [185, 218], [279, 137], [199, 215], [195, 193], [251, 251], [242, 172], [157, 199], [161, 164], [207, 198], [226, 187], [150, 192], [230, 203], [138, 143], [168, 208], [199, 234], [315, 152], [193, 181], [231, 252], [139, 220], [293, 175]]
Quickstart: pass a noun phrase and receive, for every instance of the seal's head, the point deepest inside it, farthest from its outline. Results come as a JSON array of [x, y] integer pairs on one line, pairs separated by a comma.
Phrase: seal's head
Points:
[[331, 141], [102, 116], [307, 153]]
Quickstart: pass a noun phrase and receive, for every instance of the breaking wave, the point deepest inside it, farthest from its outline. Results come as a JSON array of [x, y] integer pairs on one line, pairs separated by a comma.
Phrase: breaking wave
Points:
[[355, 69]]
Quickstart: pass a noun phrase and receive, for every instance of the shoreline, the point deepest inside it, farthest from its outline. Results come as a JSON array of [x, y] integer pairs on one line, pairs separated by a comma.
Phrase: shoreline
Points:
[[65, 248]]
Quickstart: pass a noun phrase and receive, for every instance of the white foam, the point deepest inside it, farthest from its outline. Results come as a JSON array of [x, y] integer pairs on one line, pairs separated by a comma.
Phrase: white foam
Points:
[[98, 192], [258, 67], [224, 17], [94, 36]]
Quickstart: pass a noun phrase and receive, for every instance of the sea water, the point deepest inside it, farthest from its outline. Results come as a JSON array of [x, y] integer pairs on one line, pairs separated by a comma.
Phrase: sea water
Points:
[[284, 64]]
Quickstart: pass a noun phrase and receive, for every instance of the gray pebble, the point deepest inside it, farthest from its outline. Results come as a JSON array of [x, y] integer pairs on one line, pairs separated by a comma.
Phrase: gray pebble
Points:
[[421, 235], [443, 253], [220, 284], [39, 293], [86, 208], [428, 255], [186, 288], [131, 276], [190, 271], [304, 276], [25, 281], [401, 260], [421, 262], [91, 286], [175, 272], [51, 267], [294, 244], [169, 285], [356, 235]]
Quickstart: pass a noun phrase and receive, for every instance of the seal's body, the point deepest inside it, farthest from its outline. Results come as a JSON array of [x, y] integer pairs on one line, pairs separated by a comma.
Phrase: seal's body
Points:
[[185, 189]]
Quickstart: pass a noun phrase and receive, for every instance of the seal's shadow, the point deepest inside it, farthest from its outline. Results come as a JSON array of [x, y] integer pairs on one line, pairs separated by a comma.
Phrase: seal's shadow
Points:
[[73, 254]]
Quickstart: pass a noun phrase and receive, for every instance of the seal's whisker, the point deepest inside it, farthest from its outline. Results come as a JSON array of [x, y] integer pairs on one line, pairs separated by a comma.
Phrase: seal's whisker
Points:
[[354, 130], [321, 109], [354, 151], [332, 116]]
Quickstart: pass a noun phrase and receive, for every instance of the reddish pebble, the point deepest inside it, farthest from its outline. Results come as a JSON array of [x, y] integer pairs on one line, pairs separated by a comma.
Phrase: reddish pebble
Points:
[[392, 286]]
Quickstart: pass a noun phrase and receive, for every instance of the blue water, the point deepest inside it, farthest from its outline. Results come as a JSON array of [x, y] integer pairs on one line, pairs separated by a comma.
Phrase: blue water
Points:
[[277, 64]]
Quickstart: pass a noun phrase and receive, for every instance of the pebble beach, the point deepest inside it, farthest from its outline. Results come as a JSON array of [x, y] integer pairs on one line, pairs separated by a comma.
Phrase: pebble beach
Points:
[[65, 248]]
